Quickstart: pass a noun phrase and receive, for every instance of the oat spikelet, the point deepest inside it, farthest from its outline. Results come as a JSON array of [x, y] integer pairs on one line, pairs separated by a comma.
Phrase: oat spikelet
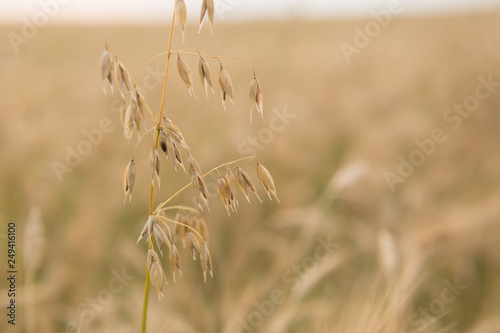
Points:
[[129, 180], [130, 118], [205, 75], [175, 261], [174, 131], [226, 87], [224, 194], [124, 78], [148, 228], [255, 97], [200, 225], [232, 187], [107, 70], [185, 75], [139, 124], [206, 262], [156, 272], [207, 7], [154, 160], [266, 180], [161, 238], [164, 141], [198, 184], [177, 159], [181, 15], [246, 183], [193, 244]]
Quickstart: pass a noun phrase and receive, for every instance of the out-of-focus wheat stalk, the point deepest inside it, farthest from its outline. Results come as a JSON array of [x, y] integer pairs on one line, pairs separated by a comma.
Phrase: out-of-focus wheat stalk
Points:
[[32, 254]]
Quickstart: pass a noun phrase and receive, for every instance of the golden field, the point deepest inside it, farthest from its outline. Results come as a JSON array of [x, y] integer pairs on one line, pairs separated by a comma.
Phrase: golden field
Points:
[[341, 252]]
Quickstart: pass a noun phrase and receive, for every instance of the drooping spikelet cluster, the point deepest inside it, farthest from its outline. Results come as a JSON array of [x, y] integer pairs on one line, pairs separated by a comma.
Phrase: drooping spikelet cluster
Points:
[[190, 227]]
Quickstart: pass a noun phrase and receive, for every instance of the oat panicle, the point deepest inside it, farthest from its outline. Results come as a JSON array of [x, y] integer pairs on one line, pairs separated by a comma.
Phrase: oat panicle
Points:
[[191, 229]]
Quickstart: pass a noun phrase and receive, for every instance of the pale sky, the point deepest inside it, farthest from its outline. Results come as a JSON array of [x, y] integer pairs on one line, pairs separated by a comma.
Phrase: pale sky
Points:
[[154, 11]]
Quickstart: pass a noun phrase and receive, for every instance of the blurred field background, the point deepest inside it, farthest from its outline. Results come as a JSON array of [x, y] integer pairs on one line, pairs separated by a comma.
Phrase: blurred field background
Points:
[[395, 254]]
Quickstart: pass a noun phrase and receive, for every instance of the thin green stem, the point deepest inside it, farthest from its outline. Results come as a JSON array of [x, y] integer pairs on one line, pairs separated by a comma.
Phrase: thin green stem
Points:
[[151, 196], [146, 296]]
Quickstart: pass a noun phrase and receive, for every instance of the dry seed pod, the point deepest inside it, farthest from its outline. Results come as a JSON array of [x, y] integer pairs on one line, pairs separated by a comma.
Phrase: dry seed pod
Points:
[[246, 183], [224, 193], [141, 103], [161, 238], [200, 225], [205, 75], [156, 272], [147, 229], [207, 7], [175, 261], [154, 160], [266, 180], [176, 156], [180, 229], [139, 125], [194, 168], [206, 261], [181, 15], [201, 196], [174, 131], [129, 180], [232, 186], [185, 75], [163, 141], [193, 244], [124, 78], [107, 70], [255, 96], [225, 86], [130, 116]]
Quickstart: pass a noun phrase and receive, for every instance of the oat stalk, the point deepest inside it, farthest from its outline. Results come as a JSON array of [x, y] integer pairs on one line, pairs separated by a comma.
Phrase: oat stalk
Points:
[[151, 196]]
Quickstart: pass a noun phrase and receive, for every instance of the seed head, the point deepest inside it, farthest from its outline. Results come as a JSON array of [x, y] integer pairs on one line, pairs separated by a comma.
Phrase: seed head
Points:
[[107, 70], [205, 75], [199, 188], [245, 183], [148, 228], [130, 118], [255, 96], [181, 15], [156, 272], [155, 166], [193, 244], [266, 180], [225, 86], [207, 7], [185, 75], [232, 188], [206, 261], [176, 155], [124, 78], [129, 180], [175, 261], [164, 141], [160, 237], [174, 131], [223, 190]]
